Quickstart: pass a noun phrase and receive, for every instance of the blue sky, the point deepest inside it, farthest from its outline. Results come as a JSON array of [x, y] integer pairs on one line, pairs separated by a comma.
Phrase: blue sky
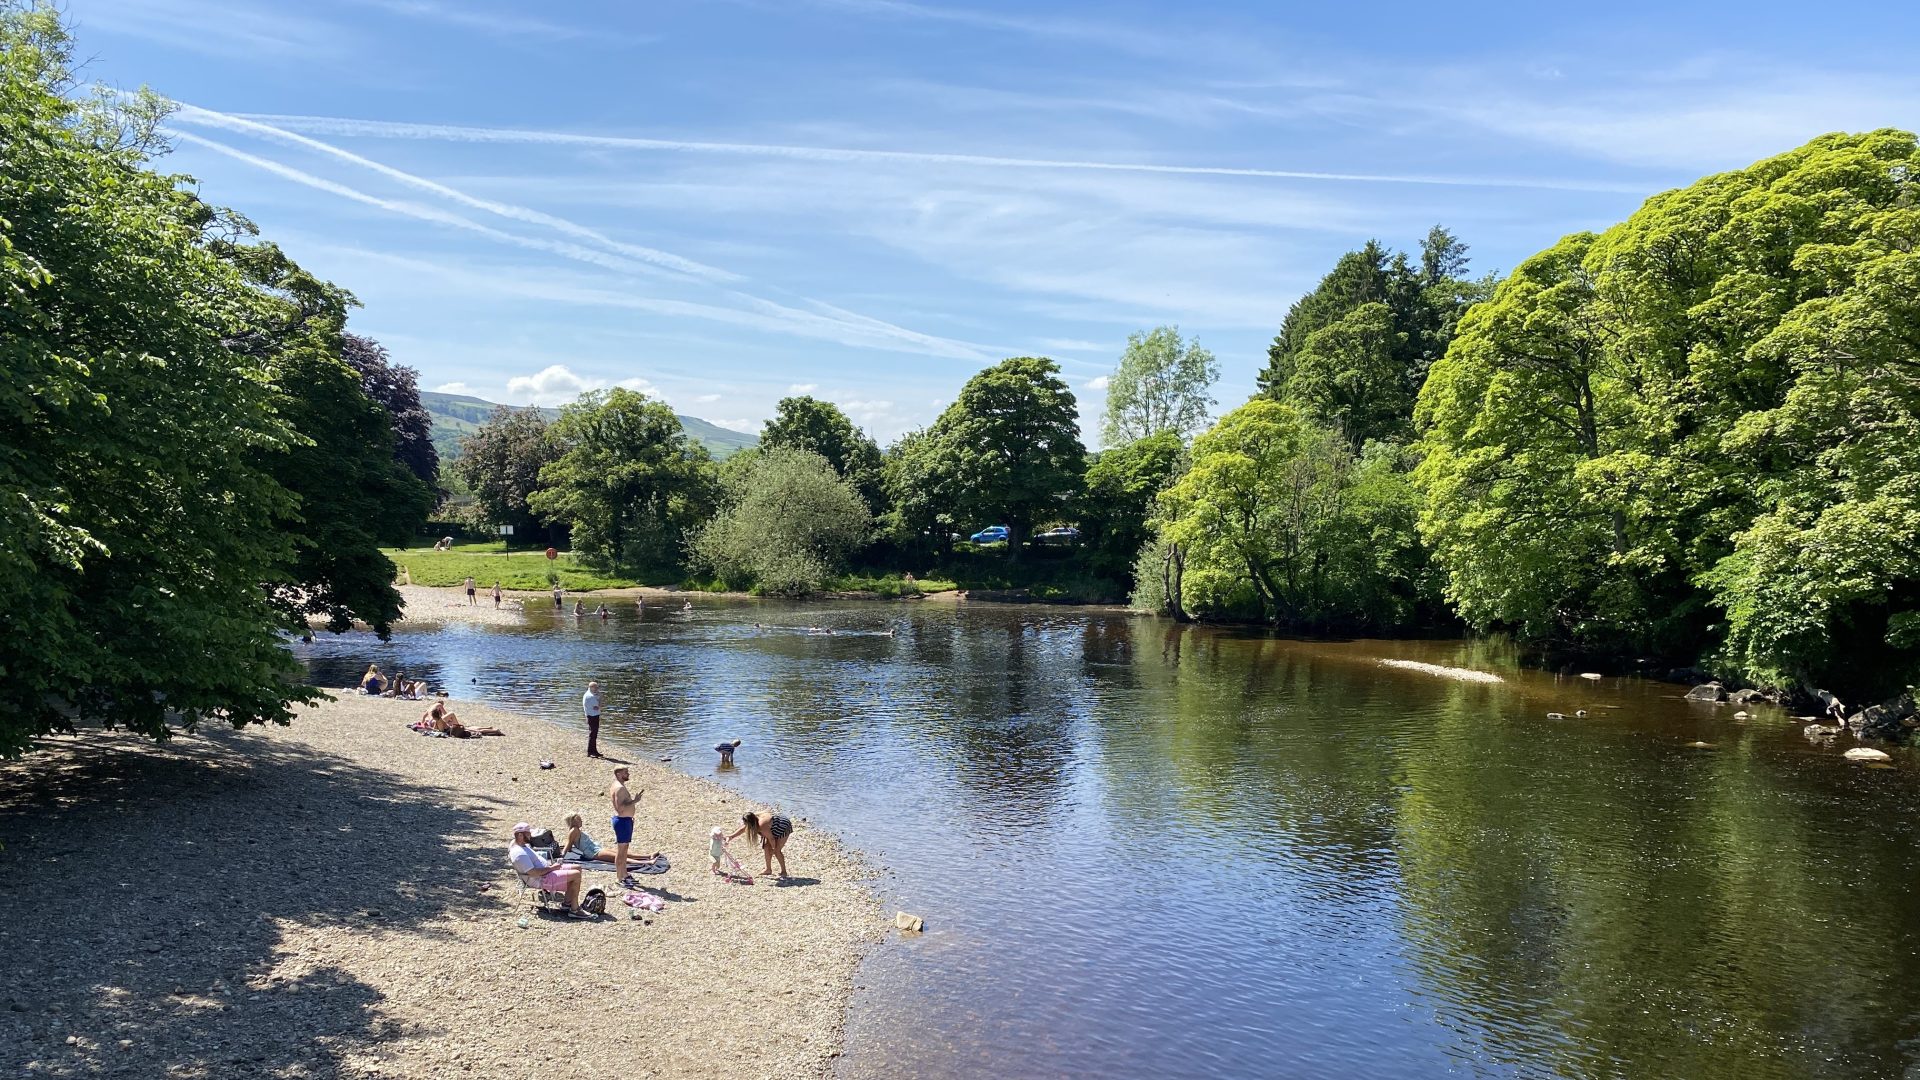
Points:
[[724, 201]]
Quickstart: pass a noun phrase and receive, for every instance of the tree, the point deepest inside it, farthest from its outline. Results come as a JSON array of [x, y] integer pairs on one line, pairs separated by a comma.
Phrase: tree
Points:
[[135, 499], [1162, 384], [918, 514], [1354, 352], [819, 427], [501, 462], [788, 521], [352, 494], [1697, 427], [397, 390], [1117, 504], [1275, 517], [627, 480], [1008, 451]]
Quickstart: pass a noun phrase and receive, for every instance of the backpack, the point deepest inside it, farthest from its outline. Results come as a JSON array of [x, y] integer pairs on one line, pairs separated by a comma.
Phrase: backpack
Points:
[[595, 902]]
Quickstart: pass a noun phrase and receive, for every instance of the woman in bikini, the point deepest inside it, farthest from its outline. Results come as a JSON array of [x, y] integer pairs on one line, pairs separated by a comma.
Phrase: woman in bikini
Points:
[[441, 718], [769, 834], [580, 847]]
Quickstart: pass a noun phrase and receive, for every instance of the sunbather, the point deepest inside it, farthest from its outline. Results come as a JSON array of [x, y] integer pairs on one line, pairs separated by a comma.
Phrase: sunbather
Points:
[[536, 869], [440, 718], [373, 682], [579, 847]]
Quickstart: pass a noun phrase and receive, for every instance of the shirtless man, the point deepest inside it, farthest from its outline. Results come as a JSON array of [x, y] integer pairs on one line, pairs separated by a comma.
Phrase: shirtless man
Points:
[[624, 803], [471, 601]]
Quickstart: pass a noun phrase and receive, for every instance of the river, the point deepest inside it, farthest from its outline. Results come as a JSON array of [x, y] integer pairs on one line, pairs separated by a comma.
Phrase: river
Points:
[[1151, 850]]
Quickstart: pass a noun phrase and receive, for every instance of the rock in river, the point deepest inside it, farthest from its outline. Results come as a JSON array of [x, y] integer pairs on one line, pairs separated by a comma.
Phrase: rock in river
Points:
[[1712, 691], [1866, 754]]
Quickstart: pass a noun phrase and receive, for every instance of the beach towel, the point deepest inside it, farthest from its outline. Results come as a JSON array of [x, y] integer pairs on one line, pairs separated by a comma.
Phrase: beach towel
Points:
[[634, 866], [645, 900]]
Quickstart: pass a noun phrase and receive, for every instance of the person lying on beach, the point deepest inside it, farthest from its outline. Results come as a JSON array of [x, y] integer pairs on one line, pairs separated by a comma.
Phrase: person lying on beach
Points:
[[536, 869], [440, 718], [769, 834], [580, 847], [372, 682]]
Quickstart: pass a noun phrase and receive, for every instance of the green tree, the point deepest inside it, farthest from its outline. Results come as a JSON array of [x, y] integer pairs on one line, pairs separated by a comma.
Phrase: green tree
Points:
[[1162, 384], [918, 514], [353, 494], [819, 427], [1117, 506], [627, 480], [1695, 428], [1275, 517], [788, 520], [1008, 451], [135, 500], [1354, 352], [396, 389], [501, 462]]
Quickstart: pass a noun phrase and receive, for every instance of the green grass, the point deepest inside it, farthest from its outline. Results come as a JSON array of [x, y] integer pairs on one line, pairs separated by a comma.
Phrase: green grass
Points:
[[886, 586], [489, 562]]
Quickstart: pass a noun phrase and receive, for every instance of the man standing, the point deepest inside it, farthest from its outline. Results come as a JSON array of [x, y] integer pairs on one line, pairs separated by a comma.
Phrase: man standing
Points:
[[470, 598], [590, 704], [624, 803]]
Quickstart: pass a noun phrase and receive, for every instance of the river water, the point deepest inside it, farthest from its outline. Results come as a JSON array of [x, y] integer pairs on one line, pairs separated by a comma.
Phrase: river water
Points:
[[1151, 850]]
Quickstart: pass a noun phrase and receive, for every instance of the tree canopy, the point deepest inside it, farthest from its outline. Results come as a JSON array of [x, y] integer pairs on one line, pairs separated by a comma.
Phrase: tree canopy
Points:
[[501, 462], [397, 390], [626, 479], [788, 520], [819, 427], [1162, 384], [1116, 506], [1698, 426], [1007, 451]]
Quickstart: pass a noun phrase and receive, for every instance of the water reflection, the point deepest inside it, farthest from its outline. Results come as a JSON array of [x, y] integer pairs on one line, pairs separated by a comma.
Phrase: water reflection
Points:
[[1152, 849]]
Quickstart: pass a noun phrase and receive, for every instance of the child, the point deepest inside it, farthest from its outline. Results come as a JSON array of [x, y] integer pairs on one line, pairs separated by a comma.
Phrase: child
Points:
[[716, 848]]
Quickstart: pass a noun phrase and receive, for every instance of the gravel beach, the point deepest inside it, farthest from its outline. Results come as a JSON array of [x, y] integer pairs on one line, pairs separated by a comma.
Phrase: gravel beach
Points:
[[331, 899]]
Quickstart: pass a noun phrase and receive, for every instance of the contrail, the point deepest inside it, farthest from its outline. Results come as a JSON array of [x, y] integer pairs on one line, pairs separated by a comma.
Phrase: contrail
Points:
[[388, 129]]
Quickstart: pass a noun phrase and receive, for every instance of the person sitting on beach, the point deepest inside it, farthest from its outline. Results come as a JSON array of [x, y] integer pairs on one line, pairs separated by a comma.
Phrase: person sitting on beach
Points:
[[441, 718], [537, 870], [373, 682], [579, 847], [769, 834]]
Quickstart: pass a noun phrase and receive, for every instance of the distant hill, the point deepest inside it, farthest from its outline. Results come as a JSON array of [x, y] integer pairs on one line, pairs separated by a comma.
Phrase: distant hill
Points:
[[455, 415]]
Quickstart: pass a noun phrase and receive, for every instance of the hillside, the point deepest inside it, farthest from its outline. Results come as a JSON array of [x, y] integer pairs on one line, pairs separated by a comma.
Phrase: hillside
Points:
[[454, 415]]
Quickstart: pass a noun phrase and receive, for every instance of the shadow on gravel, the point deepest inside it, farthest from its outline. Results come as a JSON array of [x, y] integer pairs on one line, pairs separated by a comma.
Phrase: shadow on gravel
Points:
[[144, 891]]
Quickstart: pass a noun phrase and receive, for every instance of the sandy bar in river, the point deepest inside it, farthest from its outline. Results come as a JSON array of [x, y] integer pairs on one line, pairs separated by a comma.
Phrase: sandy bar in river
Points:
[[331, 899]]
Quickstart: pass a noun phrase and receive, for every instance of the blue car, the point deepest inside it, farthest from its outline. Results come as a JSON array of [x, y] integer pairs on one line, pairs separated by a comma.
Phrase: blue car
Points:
[[992, 534]]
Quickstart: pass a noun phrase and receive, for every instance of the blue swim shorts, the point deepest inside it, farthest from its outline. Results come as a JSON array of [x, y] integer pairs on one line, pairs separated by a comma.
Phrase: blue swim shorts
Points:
[[623, 830]]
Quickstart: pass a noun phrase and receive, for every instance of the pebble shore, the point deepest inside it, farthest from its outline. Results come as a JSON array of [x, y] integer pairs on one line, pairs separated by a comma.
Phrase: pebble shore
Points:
[[331, 899]]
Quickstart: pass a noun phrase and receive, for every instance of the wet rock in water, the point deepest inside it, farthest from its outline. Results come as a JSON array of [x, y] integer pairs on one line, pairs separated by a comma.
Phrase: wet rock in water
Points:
[[909, 922], [1700, 746], [1712, 691], [1556, 716], [1892, 720], [1820, 732], [1746, 697], [1741, 715], [1866, 754], [1592, 675]]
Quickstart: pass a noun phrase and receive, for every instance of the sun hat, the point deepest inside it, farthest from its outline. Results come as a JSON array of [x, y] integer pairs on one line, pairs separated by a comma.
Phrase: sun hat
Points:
[[523, 827]]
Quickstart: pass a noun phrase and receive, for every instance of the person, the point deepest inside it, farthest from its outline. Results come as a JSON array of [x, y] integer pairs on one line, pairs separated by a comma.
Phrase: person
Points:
[[769, 834], [688, 606], [581, 847], [441, 718], [536, 869], [603, 613], [558, 603], [471, 602], [624, 803], [579, 609], [726, 750], [497, 595], [373, 682], [590, 704]]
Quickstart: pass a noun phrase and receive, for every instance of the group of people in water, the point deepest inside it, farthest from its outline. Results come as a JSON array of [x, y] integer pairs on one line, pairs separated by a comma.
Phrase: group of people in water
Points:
[[603, 611]]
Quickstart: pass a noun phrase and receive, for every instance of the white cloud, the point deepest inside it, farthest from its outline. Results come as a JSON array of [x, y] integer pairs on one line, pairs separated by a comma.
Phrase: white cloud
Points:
[[644, 387], [455, 388], [1097, 384], [747, 427], [704, 399], [1072, 345], [801, 388], [552, 385]]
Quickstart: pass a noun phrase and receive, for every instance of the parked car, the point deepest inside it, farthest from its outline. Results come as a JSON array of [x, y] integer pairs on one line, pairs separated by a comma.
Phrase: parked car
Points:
[[992, 534], [1065, 534]]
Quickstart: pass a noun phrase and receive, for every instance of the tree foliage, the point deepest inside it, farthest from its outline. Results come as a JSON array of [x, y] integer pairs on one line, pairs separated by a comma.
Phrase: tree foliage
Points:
[[819, 427], [1116, 506], [626, 479], [788, 520], [135, 490], [1276, 518], [396, 389], [1008, 451], [501, 462], [1699, 425], [1163, 384], [1354, 352]]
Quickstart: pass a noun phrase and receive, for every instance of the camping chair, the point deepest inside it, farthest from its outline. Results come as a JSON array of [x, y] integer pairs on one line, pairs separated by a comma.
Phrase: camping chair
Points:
[[530, 889]]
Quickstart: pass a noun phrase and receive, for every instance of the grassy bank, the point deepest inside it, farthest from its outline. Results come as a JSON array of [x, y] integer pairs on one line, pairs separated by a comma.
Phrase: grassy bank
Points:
[[887, 586], [489, 562]]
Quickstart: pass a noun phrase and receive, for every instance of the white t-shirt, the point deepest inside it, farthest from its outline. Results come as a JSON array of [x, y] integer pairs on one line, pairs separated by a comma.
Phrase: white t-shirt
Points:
[[590, 702], [527, 861]]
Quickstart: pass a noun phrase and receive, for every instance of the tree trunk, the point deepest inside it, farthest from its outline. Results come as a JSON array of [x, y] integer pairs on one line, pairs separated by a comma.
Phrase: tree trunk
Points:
[[1173, 573]]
